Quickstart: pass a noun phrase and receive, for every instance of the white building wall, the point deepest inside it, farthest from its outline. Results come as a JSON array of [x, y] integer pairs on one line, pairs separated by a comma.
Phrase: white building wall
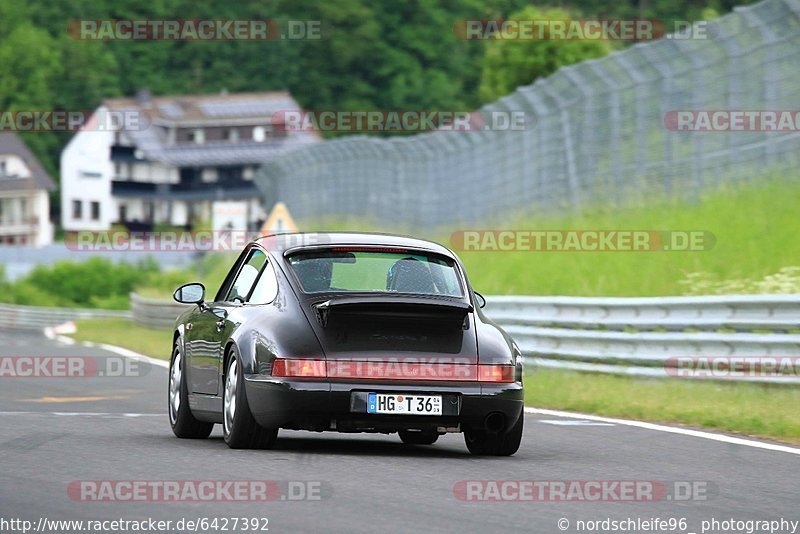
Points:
[[26, 215], [86, 174], [41, 210], [180, 213], [15, 166]]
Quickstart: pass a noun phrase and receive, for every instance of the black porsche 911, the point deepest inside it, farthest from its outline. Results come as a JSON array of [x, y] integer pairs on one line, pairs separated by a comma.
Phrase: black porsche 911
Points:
[[345, 332]]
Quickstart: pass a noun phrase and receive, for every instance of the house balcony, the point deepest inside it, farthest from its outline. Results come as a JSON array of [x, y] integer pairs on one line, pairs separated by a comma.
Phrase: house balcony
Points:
[[196, 191]]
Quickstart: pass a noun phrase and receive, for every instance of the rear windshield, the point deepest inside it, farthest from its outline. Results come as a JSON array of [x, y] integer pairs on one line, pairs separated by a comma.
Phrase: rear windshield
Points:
[[379, 271]]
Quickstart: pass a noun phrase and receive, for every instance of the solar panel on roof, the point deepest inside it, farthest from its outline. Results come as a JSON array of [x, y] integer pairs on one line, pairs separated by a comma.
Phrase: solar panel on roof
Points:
[[245, 107], [170, 110]]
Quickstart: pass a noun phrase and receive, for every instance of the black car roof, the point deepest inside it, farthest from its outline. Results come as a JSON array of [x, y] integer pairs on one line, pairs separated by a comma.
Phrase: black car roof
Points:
[[306, 240]]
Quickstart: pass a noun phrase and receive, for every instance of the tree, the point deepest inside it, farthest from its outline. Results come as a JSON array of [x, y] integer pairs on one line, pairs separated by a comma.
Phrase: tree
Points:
[[508, 64]]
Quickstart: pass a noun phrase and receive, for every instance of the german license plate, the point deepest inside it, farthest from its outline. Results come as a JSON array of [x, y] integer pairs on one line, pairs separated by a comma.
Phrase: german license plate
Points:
[[390, 403]]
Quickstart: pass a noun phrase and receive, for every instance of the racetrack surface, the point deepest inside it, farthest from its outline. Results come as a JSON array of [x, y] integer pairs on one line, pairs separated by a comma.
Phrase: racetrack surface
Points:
[[59, 430]]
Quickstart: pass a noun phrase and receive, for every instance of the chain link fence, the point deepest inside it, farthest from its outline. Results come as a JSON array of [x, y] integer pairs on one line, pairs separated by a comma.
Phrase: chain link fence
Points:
[[595, 133]]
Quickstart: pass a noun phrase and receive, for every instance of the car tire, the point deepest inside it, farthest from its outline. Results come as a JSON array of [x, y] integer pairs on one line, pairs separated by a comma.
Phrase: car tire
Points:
[[181, 419], [418, 438], [483, 443], [239, 429]]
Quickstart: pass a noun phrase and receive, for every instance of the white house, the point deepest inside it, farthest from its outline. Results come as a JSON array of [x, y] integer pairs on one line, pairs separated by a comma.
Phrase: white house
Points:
[[24, 195], [173, 158]]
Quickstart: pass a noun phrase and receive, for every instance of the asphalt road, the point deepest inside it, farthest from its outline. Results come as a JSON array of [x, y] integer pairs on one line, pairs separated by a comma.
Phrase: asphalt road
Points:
[[56, 431]]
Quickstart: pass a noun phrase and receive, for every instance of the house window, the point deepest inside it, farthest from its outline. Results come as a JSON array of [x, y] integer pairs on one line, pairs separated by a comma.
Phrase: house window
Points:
[[229, 175], [198, 136], [77, 209], [95, 211], [259, 134], [209, 175], [3, 170], [232, 135], [123, 213]]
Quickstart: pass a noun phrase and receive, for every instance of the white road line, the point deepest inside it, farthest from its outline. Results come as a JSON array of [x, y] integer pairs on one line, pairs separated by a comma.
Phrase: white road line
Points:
[[50, 333], [570, 422], [133, 355], [670, 429], [84, 414]]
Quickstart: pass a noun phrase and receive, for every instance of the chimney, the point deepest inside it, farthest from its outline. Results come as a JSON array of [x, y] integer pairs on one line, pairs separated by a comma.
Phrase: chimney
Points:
[[143, 97]]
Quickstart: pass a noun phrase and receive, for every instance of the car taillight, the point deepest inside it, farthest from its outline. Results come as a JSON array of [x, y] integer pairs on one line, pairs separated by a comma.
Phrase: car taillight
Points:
[[299, 368], [496, 373]]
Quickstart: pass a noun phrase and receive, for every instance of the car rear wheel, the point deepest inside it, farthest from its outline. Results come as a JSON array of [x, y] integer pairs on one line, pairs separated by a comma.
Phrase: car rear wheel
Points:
[[183, 422], [239, 428], [481, 442], [418, 438]]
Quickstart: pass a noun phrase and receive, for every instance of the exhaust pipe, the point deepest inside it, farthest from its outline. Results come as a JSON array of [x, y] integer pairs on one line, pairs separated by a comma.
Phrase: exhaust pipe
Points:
[[495, 422]]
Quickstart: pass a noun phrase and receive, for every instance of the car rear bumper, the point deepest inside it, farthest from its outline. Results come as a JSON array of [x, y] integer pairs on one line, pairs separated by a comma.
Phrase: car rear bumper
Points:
[[324, 405]]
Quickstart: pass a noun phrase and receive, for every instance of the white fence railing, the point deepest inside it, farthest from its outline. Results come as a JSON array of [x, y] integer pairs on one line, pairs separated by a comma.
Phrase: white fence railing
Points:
[[24, 317], [155, 313], [646, 336]]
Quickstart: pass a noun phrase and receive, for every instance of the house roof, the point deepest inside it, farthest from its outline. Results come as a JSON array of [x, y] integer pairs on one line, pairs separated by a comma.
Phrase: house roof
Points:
[[193, 111], [11, 143]]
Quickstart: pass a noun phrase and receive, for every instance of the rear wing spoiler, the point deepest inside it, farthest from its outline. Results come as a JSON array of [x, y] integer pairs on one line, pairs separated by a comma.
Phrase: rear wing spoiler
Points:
[[348, 309]]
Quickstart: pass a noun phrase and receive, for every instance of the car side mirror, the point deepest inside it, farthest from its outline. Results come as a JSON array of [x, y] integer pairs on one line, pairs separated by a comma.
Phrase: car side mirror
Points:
[[481, 300], [190, 294]]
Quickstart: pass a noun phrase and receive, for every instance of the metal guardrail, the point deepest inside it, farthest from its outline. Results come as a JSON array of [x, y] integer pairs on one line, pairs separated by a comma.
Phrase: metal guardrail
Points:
[[37, 317], [632, 336], [746, 313], [643, 336]]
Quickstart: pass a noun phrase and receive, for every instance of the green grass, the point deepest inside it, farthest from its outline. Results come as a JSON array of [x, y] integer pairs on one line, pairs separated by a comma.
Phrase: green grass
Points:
[[127, 334], [754, 226], [763, 410], [756, 235]]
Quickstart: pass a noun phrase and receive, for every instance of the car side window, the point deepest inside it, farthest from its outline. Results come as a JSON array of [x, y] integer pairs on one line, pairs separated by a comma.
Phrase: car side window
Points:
[[266, 288], [241, 287]]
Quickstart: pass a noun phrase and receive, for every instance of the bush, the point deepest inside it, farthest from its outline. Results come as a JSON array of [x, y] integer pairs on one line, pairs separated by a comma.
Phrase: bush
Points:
[[96, 282]]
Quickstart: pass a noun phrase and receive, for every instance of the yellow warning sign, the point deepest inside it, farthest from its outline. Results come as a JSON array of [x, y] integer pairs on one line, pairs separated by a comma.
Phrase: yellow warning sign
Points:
[[279, 221]]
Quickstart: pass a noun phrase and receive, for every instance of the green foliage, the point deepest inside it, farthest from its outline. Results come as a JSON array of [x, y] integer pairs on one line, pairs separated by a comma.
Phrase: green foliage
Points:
[[511, 63], [96, 282]]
